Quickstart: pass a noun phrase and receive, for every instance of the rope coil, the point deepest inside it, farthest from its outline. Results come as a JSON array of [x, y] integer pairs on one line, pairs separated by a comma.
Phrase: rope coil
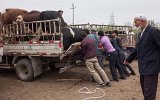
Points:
[[89, 92]]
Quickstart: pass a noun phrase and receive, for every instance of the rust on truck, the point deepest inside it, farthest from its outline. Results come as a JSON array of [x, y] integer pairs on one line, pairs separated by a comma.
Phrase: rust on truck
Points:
[[21, 38]]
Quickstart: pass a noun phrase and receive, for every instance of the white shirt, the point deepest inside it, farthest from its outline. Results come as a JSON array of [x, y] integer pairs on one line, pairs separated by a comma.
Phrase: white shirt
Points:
[[143, 30]]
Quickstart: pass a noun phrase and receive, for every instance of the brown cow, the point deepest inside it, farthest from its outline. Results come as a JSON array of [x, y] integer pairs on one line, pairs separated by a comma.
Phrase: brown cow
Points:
[[32, 16], [10, 15]]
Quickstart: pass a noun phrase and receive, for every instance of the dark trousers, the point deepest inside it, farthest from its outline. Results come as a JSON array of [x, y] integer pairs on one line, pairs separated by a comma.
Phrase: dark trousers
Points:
[[149, 86], [101, 56], [121, 58], [114, 64], [130, 68]]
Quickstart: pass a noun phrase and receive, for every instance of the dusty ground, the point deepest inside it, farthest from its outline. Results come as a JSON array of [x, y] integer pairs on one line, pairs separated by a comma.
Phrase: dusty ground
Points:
[[65, 86]]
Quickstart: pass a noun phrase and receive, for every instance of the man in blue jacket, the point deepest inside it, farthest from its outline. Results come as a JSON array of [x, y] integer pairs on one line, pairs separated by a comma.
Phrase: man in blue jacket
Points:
[[147, 51]]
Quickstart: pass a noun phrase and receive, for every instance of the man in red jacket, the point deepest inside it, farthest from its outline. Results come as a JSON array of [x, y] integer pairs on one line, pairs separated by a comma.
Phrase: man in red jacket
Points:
[[88, 50]]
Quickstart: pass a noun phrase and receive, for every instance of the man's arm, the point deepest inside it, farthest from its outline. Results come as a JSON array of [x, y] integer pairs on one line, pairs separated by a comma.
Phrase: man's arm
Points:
[[83, 48], [131, 57], [119, 42]]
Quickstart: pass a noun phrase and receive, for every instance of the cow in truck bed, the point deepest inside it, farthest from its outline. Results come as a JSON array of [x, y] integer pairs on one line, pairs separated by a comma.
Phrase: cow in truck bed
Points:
[[43, 42], [70, 35]]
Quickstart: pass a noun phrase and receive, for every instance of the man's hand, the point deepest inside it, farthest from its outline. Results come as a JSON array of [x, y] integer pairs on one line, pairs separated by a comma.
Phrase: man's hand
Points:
[[77, 44], [125, 62]]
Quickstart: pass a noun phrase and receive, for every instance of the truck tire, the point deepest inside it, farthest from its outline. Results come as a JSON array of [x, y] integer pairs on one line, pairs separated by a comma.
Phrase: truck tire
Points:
[[24, 70]]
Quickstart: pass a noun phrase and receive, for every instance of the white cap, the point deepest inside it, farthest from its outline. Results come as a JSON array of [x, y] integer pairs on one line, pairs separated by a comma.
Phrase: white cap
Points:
[[141, 17]]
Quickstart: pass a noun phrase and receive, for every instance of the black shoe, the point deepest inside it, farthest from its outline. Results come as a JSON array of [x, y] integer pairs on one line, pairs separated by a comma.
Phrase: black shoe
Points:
[[116, 80], [123, 78], [101, 85], [108, 84], [133, 73], [127, 75]]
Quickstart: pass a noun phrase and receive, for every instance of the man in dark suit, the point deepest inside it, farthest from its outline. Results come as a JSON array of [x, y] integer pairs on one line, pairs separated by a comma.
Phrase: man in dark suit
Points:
[[147, 51]]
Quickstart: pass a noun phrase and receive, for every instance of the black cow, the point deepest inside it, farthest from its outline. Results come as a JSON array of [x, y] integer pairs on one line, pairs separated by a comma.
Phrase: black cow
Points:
[[70, 35], [48, 15]]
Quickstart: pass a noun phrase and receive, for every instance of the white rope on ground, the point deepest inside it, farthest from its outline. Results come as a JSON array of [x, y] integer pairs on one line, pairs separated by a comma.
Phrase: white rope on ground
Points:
[[89, 92], [68, 79]]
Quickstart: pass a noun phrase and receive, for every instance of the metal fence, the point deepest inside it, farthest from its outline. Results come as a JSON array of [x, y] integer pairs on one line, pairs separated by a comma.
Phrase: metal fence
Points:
[[105, 28], [128, 40], [26, 31]]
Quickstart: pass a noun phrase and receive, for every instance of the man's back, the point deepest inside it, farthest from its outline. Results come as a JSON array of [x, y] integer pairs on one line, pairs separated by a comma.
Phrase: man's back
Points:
[[114, 42], [88, 48], [107, 44]]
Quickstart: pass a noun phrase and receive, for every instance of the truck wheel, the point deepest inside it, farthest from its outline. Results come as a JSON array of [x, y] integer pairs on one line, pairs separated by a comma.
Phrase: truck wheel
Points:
[[24, 70]]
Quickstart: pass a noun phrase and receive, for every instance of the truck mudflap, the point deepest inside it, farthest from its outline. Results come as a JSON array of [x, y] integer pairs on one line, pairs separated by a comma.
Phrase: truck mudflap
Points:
[[37, 65], [71, 52]]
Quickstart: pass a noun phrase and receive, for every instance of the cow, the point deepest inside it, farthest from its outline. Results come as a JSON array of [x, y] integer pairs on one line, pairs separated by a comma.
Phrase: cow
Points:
[[10, 15], [48, 15], [70, 35], [32, 16]]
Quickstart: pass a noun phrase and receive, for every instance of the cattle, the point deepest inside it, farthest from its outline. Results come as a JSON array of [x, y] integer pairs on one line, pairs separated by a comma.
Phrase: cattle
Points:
[[10, 15], [70, 35], [32, 16], [48, 15]]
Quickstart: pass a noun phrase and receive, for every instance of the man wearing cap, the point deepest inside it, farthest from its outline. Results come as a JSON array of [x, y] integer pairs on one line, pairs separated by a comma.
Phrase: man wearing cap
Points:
[[147, 51]]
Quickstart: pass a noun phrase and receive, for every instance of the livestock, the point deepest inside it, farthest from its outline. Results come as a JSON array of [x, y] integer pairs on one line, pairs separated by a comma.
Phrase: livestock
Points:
[[70, 35], [10, 15], [32, 16], [48, 15]]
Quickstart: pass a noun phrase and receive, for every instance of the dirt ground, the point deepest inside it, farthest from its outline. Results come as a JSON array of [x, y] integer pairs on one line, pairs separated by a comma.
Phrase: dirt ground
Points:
[[68, 86]]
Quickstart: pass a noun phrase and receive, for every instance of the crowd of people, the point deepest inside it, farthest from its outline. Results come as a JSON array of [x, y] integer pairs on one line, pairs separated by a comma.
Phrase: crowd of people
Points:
[[95, 47], [147, 51]]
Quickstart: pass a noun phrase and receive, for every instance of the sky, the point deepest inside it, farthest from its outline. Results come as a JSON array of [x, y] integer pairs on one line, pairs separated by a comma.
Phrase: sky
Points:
[[92, 11]]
